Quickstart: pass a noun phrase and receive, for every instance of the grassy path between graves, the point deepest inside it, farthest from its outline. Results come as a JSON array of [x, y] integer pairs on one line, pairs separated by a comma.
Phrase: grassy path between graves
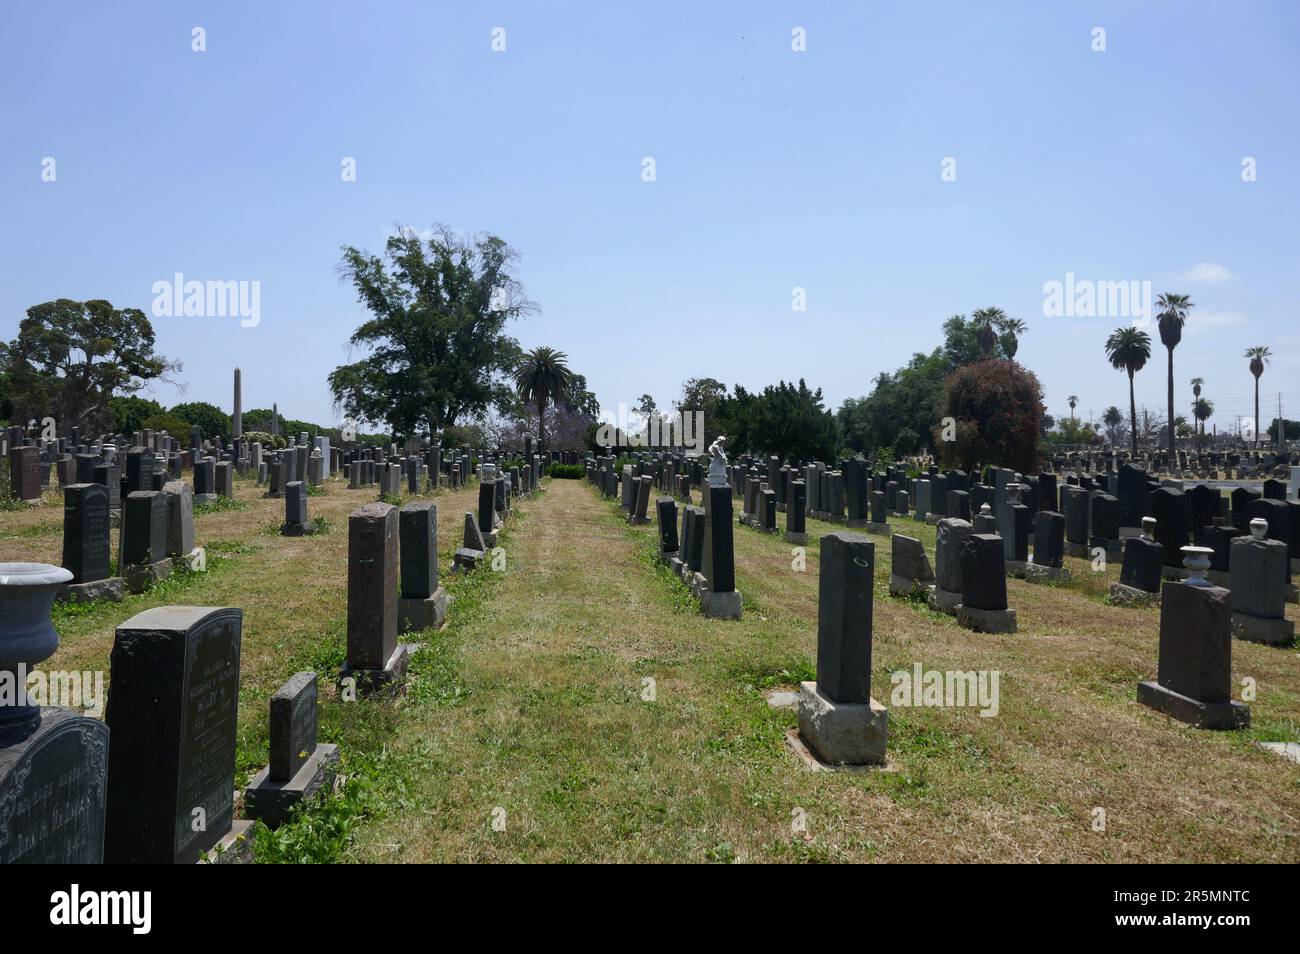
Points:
[[550, 732]]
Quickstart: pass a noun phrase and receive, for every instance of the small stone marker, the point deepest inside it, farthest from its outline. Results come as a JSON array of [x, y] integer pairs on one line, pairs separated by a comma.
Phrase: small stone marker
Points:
[[299, 768]]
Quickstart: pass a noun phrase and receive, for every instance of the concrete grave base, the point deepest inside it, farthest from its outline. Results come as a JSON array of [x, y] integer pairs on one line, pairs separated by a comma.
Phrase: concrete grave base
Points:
[[429, 613], [1202, 715], [986, 620], [798, 539], [110, 589], [297, 530], [207, 500], [1287, 750], [667, 557], [675, 564], [855, 523], [944, 601], [1079, 550], [1036, 573], [236, 848], [933, 519], [881, 529], [721, 605], [842, 734], [465, 559], [143, 575], [1121, 594], [697, 583], [271, 802], [782, 698], [637, 521], [902, 586], [1254, 629], [387, 680]]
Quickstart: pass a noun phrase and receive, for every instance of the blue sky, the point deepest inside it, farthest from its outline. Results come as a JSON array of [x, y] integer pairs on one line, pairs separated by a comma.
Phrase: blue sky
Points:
[[775, 169]]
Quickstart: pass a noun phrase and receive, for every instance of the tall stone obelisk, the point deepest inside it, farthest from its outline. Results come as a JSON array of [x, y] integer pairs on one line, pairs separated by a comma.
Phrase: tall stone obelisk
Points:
[[237, 419]]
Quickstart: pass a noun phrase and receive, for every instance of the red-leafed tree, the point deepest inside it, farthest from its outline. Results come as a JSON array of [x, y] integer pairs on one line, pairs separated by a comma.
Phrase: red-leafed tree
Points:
[[997, 409]]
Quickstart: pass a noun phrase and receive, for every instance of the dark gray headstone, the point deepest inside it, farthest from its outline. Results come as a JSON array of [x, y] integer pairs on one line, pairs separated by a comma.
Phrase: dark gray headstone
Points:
[[372, 586], [86, 532], [293, 726], [983, 572], [845, 596], [418, 530]]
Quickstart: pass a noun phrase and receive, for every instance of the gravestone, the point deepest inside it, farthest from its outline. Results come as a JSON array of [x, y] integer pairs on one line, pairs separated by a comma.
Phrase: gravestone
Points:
[[950, 533], [299, 767], [1170, 509], [1106, 517], [666, 516], [180, 519], [375, 659], [86, 532], [24, 473], [173, 722], [1194, 674], [1259, 588], [472, 548], [1142, 567], [297, 523], [909, 567], [838, 719], [796, 525], [879, 522], [719, 599], [53, 761], [423, 603], [1049, 547], [984, 585]]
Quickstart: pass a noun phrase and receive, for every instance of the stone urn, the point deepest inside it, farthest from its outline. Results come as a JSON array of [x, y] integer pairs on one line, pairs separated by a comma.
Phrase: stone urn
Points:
[[1148, 528], [27, 635], [1197, 561], [1259, 528]]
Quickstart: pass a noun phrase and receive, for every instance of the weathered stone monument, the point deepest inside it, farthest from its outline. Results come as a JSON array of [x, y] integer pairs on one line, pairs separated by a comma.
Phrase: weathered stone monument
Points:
[[909, 567], [1139, 576], [172, 715], [838, 719], [299, 767], [1259, 572], [375, 659], [950, 532], [1194, 675], [423, 603], [984, 586], [86, 549]]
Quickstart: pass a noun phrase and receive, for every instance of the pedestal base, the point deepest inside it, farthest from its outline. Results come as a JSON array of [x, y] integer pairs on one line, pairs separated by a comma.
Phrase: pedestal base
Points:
[[297, 530], [1274, 632], [1202, 715], [856, 523], [466, 559], [110, 589], [236, 848], [140, 577], [798, 539], [944, 601], [415, 615], [902, 586], [207, 500], [986, 620], [271, 802], [1037, 573], [842, 734], [667, 557], [1121, 594], [388, 679], [721, 605], [881, 529]]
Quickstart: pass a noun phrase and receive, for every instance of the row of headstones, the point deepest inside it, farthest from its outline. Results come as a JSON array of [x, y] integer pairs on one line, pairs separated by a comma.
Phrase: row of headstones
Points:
[[154, 782], [163, 792]]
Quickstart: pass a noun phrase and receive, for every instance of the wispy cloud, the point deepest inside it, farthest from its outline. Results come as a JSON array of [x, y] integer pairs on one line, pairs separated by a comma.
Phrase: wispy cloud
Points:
[[1206, 272]]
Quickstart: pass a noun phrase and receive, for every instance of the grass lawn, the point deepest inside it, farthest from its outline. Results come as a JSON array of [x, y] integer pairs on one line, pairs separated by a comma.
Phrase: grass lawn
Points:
[[577, 707]]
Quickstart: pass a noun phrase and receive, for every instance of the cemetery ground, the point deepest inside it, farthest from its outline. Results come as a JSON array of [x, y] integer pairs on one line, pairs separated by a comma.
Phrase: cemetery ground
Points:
[[531, 707]]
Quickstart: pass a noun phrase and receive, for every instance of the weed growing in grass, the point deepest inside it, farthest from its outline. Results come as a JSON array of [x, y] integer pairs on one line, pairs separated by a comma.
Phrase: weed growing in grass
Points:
[[222, 505], [316, 490], [37, 530], [182, 580]]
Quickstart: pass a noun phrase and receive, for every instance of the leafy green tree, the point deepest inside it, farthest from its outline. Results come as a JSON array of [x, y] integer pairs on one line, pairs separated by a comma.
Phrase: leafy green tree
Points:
[[1171, 318], [703, 395], [784, 419], [1129, 349], [541, 377], [1010, 331], [209, 418], [130, 412], [437, 351], [71, 357], [1259, 358], [901, 409]]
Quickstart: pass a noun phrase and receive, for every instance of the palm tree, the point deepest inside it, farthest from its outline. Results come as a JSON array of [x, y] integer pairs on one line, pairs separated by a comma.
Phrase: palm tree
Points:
[[543, 376], [1259, 357], [1072, 400], [1172, 316], [1129, 350], [986, 319], [1112, 418], [1202, 410], [1197, 384], [1012, 329]]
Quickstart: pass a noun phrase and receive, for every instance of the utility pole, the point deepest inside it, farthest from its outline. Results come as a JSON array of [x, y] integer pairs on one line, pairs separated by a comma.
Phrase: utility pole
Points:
[[1281, 425]]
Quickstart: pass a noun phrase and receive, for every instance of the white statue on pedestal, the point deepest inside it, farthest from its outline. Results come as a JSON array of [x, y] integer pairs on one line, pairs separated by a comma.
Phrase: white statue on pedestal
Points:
[[718, 462]]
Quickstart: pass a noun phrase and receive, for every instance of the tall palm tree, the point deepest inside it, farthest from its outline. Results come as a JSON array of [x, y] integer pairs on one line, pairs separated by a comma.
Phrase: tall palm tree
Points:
[[1112, 418], [1011, 329], [986, 319], [1129, 349], [1197, 384], [1172, 317], [543, 376], [1259, 357], [1072, 400], [1202, 410]]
